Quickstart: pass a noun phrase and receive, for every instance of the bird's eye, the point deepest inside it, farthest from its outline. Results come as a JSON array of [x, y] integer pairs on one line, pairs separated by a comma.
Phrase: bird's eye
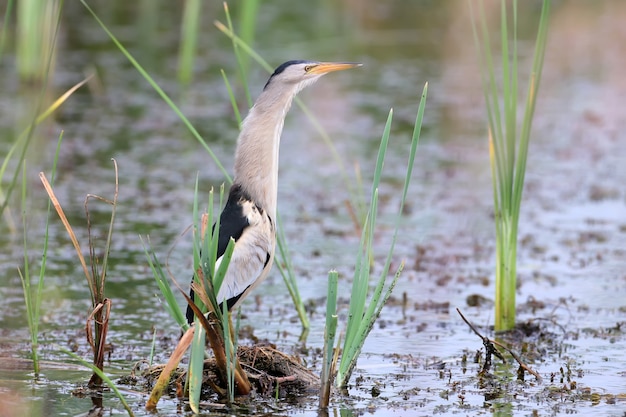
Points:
[[308, 68]]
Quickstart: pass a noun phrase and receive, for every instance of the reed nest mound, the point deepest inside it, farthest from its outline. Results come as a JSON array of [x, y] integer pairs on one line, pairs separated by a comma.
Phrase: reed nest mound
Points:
[[270, 372]]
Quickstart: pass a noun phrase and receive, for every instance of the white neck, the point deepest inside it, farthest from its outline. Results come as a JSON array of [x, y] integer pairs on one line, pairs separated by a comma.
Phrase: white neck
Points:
[[256, 158]]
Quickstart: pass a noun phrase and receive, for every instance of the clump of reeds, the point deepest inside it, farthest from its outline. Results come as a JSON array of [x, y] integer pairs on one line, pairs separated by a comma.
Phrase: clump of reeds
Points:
[[508, 141], [212, 320], [98, 322], [361, 313]]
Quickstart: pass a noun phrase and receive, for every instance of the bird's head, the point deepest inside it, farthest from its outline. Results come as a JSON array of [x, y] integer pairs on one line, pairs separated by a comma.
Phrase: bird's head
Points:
[[300, 74]]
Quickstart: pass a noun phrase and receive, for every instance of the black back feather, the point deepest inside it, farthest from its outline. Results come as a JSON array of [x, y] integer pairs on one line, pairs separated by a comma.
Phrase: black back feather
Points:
[[232, 224]]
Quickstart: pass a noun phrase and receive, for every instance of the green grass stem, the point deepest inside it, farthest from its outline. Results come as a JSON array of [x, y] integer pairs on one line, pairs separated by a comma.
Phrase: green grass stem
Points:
[[233, 100], [5, 26], [196, 368], [330, 331], [242, 66], [171, 303], [188, 40], [33, 301], [248, 12], [285, 267], [508, 141]]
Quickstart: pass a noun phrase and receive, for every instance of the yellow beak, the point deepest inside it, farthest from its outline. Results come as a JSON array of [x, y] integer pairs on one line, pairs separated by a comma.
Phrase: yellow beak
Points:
[[326, 67]]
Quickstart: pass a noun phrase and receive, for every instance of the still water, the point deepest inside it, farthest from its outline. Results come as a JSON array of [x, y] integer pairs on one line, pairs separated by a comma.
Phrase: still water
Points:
[[572, 230]]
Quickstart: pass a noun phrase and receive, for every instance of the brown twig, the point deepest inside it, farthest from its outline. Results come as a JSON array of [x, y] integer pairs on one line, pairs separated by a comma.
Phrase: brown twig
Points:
[[519, 361], [489, 346], [100, 315]]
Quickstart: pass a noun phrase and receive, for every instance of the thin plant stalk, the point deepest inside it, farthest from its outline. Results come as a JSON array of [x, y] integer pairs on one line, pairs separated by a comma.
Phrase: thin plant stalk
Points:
[[196, 368], [248, 13], [171, 303], [508, 142], [243, 72], [188, 40], [33, 301], [287, 271], [5, 26], [361, 315], [330, 331], [36, 24], [233, 100]]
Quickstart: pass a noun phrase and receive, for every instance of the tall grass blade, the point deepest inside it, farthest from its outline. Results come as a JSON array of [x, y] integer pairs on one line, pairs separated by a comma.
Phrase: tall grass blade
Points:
[[5, 26], [188, 40], [171, 303], [37, 29], [233, 100], [33, 306], [247, 22], [360, 282], [285, 267], [243, 73], [330, 331]]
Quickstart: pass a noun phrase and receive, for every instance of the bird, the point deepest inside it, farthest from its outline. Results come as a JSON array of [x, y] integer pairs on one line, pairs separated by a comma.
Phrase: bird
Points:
[[249, 216]]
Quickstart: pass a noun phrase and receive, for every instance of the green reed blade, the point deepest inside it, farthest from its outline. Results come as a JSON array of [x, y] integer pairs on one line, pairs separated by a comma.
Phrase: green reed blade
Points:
[[188, 40], [330, 330], [285, 267]]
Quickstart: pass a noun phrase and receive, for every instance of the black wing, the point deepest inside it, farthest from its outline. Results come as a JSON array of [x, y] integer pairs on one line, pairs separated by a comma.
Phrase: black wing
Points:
[[232, 224]]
